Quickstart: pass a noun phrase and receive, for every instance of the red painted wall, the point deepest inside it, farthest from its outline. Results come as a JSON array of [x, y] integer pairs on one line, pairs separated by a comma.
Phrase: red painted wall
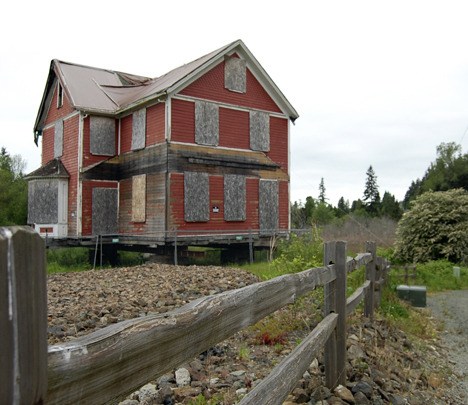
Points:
[[234, 128], [155, 124], [48, 145], [88, 158], [216, 222], [87, 203], [211, 87], [55, 113], [126, 133], [183, 121], [279, 142]]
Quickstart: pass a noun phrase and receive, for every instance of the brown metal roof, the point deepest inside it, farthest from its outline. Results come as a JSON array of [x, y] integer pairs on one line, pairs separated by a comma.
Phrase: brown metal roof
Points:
[[110, 92]]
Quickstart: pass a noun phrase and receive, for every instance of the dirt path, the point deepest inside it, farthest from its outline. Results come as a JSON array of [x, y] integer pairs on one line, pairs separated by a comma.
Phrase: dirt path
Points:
[[451, 307]]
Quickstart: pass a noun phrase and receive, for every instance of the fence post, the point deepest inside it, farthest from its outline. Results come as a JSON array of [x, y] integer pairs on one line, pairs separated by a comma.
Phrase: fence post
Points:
[[370, 275], [329, 307], [23, 317], [340, 266]]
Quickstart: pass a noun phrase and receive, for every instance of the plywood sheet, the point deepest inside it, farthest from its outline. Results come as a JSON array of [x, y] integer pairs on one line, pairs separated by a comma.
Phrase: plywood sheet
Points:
[[58, 139], [234, 198], [235, 78], [104, 214], [43, 201], [102, 136], [268, 206], [259, 131], [206, 123], [196, 197], [139, 129], [139, 198]]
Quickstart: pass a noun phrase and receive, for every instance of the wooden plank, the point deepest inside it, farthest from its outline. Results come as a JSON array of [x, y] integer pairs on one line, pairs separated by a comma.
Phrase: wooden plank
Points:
[[353, 301], [23, 317], [112, 362], [340, 267], [360, 260], [274, 389], [329, 307], [370, 275]]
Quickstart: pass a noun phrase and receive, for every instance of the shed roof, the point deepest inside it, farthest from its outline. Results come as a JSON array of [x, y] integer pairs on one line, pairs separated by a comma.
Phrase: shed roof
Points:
[[54, 169], [108, 92]]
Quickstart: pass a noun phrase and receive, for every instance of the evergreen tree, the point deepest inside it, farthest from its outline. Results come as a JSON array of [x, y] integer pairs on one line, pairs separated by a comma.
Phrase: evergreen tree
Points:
[[390, 207], [342, 208], [371, 196], [309, 209], [322, 199]]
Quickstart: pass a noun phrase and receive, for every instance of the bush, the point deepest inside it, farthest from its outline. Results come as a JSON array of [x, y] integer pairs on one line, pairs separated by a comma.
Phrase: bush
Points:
[[434, 228]]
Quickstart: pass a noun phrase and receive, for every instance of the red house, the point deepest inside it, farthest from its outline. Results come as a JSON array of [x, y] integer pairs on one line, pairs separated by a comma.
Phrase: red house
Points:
[[198, 155]]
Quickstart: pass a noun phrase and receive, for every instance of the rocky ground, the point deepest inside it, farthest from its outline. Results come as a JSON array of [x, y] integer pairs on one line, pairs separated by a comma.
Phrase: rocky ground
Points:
[[384, 365]]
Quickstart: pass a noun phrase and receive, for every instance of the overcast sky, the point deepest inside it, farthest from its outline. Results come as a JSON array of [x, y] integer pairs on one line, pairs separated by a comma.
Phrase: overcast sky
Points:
[[375, 83]]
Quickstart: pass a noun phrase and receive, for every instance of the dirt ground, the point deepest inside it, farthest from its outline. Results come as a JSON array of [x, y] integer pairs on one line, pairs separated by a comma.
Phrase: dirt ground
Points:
[[451, 307]]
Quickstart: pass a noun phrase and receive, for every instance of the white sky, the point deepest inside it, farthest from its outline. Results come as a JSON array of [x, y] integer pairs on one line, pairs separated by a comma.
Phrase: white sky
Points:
[[378, 83]]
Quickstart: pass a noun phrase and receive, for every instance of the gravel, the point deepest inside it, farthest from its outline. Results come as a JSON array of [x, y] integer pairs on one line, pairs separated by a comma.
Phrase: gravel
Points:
[[451, 307]]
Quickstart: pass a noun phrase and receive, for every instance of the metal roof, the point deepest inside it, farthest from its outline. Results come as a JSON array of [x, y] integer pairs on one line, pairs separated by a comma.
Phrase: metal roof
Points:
[[109, 92]]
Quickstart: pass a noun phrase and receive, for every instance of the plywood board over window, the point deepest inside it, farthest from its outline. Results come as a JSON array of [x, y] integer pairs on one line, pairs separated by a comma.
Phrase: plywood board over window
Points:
[[206, 123], [196, 197], [268, 206], [58, 139], [259, 131], [235, 78], [43, 198], [104, 214], [139, 129], [139, 198], [234, 197], [102, 136]]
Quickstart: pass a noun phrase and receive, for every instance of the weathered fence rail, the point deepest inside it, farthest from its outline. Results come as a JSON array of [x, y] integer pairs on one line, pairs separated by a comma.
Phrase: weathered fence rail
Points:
[[112, 362]]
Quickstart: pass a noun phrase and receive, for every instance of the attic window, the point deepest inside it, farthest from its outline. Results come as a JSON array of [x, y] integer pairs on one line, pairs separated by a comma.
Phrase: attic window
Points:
[[59, 95], [235, 74]]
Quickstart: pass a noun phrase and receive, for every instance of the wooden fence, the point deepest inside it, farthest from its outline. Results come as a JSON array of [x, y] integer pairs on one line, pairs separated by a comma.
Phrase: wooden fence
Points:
[[110, 363]]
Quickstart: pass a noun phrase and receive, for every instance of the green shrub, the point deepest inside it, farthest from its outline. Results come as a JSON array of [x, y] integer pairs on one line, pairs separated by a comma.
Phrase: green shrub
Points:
[[435, 228], [68, 257]]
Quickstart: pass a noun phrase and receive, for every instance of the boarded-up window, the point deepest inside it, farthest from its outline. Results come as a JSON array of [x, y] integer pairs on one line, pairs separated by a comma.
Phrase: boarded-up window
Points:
[[206, 123], [196, 197], [234, 197], [235, 74], [259, 131], [43, 201], [139, 198], [139, 129], [104, 214], [102, 136], [58, 139], [268, 206]]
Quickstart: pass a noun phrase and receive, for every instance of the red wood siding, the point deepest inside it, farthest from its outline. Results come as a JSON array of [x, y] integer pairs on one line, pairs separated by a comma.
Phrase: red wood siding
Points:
[[279, 142], [88, 158], [48, 145], [211, 87], [155, 206], [55, 113], [87, 203], [155, 124], [126, 134], [183, 121], [283, 203], [234, 130], [216, 222], [70, 161]]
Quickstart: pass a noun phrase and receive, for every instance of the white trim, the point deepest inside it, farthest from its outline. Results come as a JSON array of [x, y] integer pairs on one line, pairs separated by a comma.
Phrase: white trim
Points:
[[79, 186], [168, 118], [67, 117], [229, 106], [218, 147]]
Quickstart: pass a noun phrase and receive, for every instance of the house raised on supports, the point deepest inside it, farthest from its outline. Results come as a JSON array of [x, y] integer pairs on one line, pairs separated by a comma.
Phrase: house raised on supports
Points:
[[197, 156]]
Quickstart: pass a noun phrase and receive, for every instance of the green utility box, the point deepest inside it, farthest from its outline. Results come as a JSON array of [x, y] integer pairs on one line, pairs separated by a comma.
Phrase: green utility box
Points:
[[415, 294]]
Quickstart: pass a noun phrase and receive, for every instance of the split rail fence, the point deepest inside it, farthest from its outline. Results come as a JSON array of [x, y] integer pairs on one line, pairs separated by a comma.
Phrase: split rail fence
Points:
[[110, 363]]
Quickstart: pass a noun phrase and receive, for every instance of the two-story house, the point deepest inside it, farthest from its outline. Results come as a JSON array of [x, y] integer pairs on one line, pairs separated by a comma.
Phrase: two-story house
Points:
[[200, 154]]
